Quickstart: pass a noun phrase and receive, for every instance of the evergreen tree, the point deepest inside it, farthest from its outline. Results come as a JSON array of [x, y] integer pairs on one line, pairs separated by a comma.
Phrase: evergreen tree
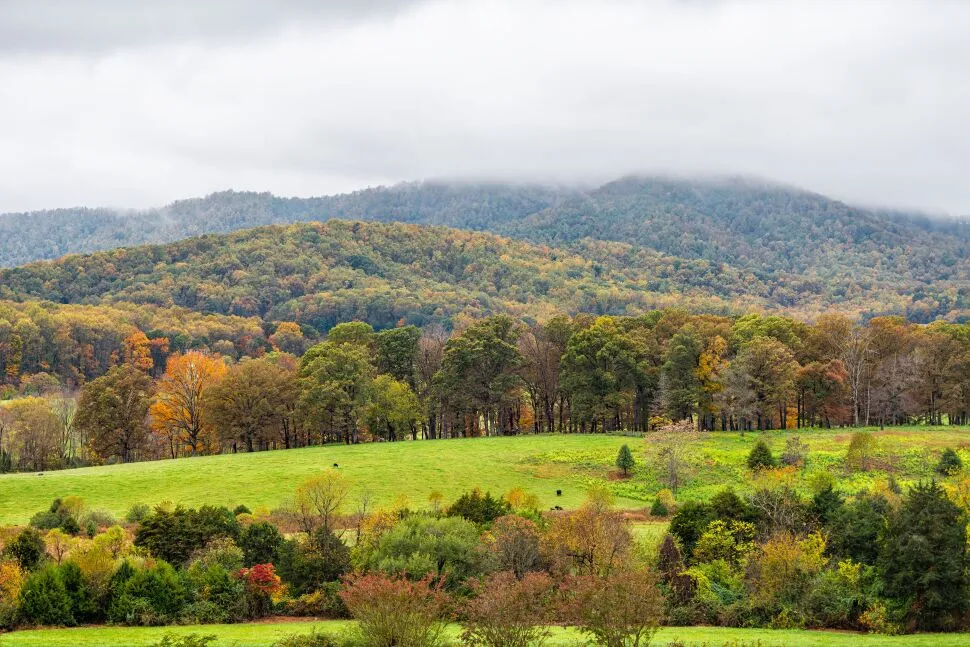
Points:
[[923, 559], [625, 460], [950, 463], [760, 456]]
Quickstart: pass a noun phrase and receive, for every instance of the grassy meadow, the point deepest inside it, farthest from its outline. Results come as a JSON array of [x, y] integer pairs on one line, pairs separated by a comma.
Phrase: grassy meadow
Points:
[[265, 633], [538, 464]]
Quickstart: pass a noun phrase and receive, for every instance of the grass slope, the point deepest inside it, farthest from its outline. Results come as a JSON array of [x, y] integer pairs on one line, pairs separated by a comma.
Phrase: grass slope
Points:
[[264, 634], [539, 464], [386, 470]]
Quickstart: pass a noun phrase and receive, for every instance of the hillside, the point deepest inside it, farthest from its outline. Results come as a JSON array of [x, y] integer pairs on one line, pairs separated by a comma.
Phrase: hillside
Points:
[[324, 273], [796, 250]]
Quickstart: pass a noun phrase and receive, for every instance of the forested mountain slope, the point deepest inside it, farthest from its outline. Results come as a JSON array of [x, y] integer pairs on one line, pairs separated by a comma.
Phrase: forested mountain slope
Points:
[[324, 273], [793, 249], [50, 234]]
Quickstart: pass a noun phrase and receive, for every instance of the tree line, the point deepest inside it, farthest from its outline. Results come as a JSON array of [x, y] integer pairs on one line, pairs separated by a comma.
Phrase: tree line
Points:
[[495, 376]]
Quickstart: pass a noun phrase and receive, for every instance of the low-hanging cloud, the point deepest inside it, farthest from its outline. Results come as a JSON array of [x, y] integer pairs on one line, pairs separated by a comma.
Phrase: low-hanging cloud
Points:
[[862, 100]]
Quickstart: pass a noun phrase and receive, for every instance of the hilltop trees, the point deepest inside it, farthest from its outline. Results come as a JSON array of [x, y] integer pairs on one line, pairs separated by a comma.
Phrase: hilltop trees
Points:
[[478, 374], [181, 410], [250, 404], [113, 410]]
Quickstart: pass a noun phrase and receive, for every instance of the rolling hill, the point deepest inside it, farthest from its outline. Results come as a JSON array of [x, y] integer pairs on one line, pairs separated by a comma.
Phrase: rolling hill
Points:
[[324, 273], [790, 249]]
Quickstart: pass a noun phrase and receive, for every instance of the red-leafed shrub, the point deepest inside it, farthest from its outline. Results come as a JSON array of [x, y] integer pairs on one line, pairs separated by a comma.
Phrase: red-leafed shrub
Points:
[[396, 611], [263, 586], [623, 609], [508, 612]]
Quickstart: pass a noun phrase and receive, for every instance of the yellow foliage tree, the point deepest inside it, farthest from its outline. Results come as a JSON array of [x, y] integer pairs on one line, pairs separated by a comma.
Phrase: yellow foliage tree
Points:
[[180, 410]]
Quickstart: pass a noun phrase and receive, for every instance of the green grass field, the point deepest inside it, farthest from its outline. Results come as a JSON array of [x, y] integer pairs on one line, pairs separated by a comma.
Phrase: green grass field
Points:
[[539, 464], [264, 634]]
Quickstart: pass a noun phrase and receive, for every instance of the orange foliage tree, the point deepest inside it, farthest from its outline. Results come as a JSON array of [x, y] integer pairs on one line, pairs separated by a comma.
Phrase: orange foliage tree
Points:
[[180, 410]]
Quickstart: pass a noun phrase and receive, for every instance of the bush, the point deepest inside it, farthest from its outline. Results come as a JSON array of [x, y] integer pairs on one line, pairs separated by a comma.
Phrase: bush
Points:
[[62, 513], [263, 585], [760, 456], [658, 509], [83, 606], [153, 595], [727, 505], [44, 600], [220, 597], [446, 550], [862, 449], [795, 452], [260, 542], [241, 509], [856, 527], [100, 519], [516, 545], [314, 639], [478, 508], [689, 524], [309, 566], [188, 640], [137, 513], [621, 609], [12, 579], [396, 611], [506, 611], [949, 464], [174, 535], [322, 603], [27, 548]]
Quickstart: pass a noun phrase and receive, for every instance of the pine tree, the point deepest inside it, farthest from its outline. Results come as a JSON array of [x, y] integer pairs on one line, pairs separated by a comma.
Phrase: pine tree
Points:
[[625, 460], [760, 456], [950, 463], [923, 561]]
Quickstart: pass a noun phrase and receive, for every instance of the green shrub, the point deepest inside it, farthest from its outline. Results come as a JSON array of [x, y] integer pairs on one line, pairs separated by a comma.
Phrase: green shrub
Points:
[[478, 508], [150, 596], [27, 548], [421, 546], [260, 543], [44, 599], [658, 509], [322, 603], [950, 463], [307, 566], [760, 456], [315, 639], [926, 536], [188, 640], [83, 606], [137, 513], [173, 535], [689, 523]]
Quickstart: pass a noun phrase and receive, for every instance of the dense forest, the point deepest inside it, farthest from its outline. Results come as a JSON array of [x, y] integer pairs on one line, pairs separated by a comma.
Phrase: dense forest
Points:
[[798, 250]]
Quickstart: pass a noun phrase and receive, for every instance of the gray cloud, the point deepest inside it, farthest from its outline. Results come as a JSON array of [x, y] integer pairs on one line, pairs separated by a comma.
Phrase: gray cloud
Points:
[[66, 26], [862, 100]]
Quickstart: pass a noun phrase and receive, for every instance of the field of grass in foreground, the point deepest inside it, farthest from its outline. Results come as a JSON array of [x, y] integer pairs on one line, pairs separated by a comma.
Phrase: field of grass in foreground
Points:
[[264, 634], [539, 464]]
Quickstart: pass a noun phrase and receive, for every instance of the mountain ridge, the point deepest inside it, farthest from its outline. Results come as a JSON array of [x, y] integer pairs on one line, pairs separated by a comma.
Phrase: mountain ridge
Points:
[[804, 249]]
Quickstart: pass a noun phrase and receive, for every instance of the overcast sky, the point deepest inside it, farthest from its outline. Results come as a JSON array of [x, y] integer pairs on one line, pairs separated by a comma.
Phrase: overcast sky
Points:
[[111, 102]]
